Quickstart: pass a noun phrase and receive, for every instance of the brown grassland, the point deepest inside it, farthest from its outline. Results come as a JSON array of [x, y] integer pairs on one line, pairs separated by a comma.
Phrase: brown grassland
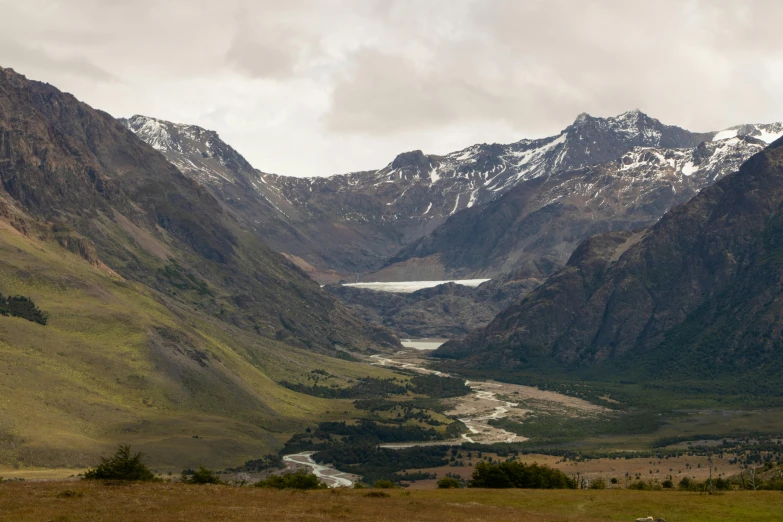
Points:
[[91, 501]]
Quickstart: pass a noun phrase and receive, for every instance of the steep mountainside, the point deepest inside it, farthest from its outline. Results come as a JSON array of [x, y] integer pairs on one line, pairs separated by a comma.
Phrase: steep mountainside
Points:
[[697, 295], [113, 199], [168, 326], [355, 222], [540, 221]]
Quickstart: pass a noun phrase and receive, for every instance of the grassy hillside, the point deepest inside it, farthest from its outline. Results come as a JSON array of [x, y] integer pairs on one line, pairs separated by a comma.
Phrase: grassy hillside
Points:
[[118, 361]]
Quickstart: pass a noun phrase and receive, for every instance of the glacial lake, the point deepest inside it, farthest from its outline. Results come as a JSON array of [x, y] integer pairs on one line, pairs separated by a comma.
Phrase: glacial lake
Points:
[[406, 287], [422, 344]]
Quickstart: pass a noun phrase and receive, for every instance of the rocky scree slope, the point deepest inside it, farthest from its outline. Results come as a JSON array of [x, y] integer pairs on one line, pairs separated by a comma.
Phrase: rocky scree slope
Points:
[[697, 295], [354, 222], [113, 199]]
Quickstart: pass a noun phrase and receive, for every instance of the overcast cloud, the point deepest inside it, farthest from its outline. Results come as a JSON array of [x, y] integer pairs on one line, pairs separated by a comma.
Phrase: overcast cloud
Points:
[[310, 88]]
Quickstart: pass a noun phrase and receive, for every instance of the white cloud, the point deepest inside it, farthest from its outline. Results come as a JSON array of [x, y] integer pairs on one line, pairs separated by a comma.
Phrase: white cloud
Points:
[[308, 87]]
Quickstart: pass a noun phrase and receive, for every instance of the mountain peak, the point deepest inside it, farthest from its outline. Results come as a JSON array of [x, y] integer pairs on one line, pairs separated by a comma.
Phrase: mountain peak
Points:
[[414, 158], [583, 117]]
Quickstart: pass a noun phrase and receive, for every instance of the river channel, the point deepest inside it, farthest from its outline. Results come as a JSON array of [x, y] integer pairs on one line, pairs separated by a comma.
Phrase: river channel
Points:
[[474, 410]]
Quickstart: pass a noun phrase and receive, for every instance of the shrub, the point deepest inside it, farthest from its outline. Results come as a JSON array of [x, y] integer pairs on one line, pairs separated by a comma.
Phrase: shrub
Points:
[[384, 484], [614, 480], [667, 484], [641, 485], [377, 494], [599, 483], [448, 483], [517, 475], [358, 485], [685, 484], [298, 480], [122, 466], [70, 493], [200, 476]]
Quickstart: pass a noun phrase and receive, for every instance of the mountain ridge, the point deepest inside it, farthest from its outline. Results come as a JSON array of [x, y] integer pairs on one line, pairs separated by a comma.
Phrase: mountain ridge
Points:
[[375, 213]]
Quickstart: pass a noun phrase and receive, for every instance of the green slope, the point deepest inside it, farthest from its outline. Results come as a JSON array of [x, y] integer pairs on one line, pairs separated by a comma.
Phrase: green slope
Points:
[[119, 362]]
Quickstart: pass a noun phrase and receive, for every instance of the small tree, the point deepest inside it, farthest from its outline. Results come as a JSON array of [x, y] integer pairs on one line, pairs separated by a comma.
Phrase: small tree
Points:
[[201, 476], [384, 484], [122, 466], [448, 483]]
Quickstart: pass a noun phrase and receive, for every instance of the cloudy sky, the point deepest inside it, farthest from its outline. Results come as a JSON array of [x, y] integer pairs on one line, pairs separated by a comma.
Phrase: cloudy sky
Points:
[[316, 87]]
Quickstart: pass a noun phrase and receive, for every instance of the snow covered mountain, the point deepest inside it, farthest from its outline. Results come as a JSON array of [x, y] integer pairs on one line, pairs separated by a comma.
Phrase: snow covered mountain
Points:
[[538, 223], [353, 223]]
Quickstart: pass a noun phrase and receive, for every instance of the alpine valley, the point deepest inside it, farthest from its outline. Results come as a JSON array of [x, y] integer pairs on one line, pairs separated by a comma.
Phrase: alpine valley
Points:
[[513, 213], [158, 290]]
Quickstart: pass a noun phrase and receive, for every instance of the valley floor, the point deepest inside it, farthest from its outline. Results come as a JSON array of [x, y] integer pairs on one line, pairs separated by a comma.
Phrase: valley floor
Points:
[[167, 502]]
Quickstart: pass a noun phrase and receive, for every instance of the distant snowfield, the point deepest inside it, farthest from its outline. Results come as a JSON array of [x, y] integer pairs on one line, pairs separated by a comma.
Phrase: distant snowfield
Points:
[[406, 287]]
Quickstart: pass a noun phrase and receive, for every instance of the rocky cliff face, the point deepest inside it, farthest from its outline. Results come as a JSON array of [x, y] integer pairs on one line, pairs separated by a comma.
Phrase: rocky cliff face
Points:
[[83, 175], [696, 295]]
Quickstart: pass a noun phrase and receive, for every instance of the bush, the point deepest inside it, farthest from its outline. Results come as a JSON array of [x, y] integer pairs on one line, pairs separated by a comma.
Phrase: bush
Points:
[[599, 483], [448, 483], [122, 466], [358, 485], [70, 493], [384, 484], [298, 480], [667, 484], [614, 480], [517, 475], [376, 494], [641, 485], [200, 476]]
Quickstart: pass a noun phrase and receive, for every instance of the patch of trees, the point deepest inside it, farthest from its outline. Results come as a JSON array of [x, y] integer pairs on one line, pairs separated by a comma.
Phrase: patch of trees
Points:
[[255, 465], [514, 474], [23, 307], [441, 387], [374, 463], [329, 434], [406, 410], [298, 480], [371, 388], [410, 477], [367, 388]]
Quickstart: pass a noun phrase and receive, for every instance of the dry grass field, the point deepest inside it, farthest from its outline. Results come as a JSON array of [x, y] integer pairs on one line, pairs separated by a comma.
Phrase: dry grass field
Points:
[[48, 501], [624, 470]]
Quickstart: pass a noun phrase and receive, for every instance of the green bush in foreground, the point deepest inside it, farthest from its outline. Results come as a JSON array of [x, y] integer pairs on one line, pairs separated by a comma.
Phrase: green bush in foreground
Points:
[[122, 466], [518, 475], [448, 483], [298, 480], [201, 476]]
